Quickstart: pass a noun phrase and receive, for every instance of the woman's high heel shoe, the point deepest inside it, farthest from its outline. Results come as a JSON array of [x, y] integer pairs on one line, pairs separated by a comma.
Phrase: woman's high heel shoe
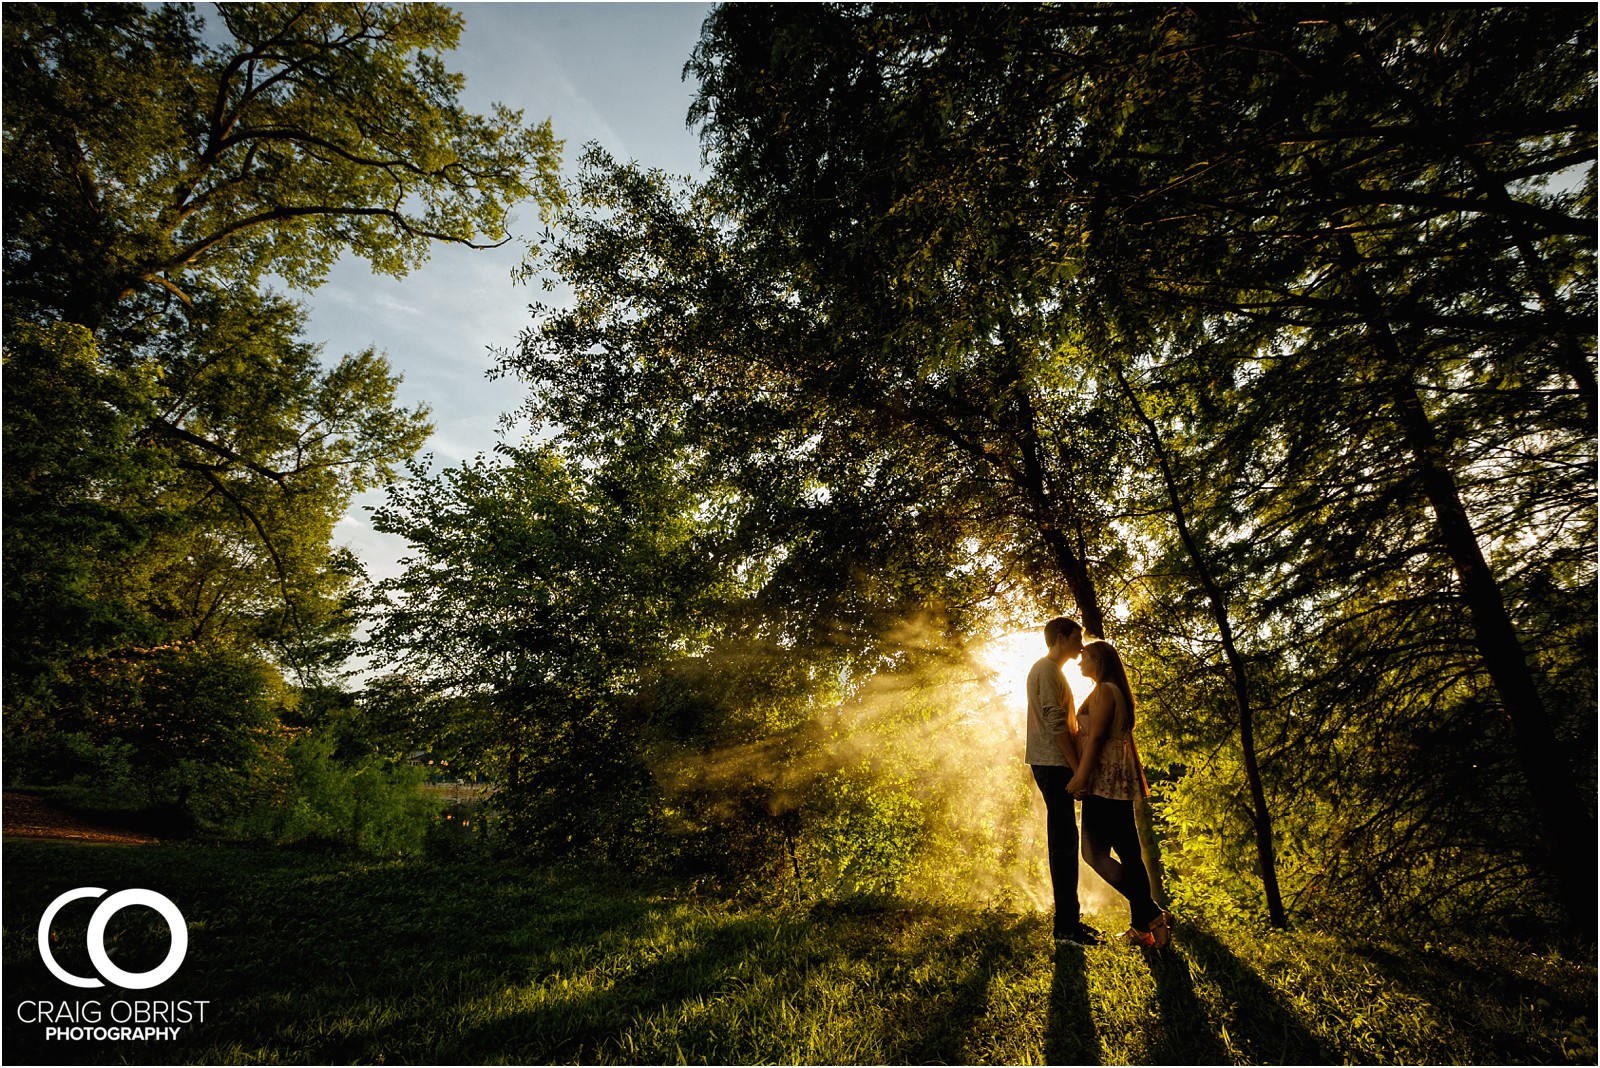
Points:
[[1161, 930]]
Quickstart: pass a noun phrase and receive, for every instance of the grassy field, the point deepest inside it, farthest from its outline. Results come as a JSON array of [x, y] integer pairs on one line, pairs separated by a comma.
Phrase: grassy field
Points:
[[326, 959]]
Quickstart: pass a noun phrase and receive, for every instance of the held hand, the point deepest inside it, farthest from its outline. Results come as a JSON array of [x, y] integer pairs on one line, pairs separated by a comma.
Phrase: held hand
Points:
[[1077, 787]]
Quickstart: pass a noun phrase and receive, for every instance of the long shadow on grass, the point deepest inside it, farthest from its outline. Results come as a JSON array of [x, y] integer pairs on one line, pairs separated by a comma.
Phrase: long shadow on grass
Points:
[[942, 1022], [1070, 1036], [1261, 1026], [1461, 990], [328, 959], [1443, 973], [736, 972], [591, 1025], [346, 961], [1185, 1035]]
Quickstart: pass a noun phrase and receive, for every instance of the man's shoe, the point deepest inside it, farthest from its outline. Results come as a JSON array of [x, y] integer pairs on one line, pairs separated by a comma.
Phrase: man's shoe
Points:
[[1081, 935]]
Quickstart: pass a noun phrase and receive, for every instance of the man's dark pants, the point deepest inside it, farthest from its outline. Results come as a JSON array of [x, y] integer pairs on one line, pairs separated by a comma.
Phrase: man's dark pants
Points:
[[1061, 838]]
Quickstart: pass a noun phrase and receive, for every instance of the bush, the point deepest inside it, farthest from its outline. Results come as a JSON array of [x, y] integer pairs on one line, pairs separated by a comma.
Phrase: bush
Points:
[[183, 728], [370, 806], [867, 836], [80, 772]]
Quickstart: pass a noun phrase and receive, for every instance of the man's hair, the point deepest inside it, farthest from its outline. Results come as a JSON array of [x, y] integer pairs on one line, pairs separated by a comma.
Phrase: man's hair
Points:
[[1060, 627]]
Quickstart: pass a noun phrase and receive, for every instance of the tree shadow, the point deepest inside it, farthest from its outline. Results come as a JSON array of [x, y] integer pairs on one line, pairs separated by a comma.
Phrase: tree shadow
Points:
[[1442, 974], [1185, 1033], [1467, 993], [1070, 1036], [1259, 1025], [342, 960], [923, 1020], [588, 1026], [939, 1029]]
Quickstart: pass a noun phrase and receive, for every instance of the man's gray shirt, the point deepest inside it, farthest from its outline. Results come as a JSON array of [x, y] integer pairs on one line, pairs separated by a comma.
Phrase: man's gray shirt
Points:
[[1049, 705]]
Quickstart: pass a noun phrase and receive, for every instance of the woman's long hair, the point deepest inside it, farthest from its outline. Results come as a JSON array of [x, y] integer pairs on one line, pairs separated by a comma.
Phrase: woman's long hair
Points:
[[1111, 670]]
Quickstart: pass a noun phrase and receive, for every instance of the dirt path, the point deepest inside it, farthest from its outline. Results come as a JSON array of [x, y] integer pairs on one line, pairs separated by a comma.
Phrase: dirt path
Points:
[[27, 816]]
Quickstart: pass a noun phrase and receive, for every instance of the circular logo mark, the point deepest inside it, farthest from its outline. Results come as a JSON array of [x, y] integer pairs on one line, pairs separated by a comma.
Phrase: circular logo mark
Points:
[[97, 938]]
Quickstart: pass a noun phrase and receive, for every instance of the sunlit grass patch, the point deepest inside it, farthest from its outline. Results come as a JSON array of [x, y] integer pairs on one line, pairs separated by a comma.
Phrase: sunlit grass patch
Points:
[[323, 959]]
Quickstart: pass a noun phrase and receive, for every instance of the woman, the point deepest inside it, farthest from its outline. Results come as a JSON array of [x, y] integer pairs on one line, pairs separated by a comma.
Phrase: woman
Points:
[[1108, 779]]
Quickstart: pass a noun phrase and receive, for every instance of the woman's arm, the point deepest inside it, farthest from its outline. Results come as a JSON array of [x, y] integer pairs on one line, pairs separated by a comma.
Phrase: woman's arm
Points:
[[1101, 707]]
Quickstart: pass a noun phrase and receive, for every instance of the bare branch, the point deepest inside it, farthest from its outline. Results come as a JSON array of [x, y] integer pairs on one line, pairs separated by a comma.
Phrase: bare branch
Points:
[[173, 430]]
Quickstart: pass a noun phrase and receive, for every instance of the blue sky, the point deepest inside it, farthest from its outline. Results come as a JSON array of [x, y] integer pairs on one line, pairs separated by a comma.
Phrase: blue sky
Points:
[[609, 73]]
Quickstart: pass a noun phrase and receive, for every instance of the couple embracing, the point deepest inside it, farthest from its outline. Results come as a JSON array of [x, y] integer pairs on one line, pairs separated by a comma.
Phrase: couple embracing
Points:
[[1088, 754]]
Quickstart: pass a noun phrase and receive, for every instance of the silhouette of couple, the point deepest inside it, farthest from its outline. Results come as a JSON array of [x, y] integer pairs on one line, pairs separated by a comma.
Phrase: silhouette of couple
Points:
[[1088, 754]]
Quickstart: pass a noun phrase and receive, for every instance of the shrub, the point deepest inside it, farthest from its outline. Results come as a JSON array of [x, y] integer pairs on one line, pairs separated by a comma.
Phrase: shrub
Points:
[[370, 805]]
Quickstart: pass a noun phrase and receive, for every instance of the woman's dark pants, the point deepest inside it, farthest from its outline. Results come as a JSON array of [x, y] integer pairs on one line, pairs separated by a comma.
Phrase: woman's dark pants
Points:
[[1108, 826]]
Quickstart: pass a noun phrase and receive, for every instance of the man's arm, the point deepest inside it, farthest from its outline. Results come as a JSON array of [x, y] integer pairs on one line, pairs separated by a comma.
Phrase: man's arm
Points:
[[1067, 742], [1055, 703]]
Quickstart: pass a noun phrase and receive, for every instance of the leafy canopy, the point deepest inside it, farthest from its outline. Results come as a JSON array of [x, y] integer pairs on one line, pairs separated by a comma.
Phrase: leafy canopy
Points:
[[142, 148]]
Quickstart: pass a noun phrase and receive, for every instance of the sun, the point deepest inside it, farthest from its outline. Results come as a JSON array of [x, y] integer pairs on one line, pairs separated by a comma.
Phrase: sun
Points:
[[1011, 656]]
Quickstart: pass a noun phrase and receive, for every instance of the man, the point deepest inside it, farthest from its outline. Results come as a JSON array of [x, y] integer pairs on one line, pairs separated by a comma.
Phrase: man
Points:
[[1053, 755]]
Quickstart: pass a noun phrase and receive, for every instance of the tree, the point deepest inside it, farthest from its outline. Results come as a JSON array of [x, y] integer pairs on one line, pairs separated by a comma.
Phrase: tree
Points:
[[71, 426], [140, 157], [154, 177], [157, 176], [1226, 181], [829, 554], [203, 476], [869, 176], [538, 595], [1345, 232], [265, 447]]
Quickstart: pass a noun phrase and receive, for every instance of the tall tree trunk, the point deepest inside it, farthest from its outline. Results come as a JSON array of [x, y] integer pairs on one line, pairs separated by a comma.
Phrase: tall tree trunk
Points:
[[1150, 846], [1566, 826], [1238, 678], [1047, 506]]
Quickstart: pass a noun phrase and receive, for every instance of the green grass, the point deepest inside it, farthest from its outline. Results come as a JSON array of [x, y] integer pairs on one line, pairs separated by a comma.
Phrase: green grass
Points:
[[327, 959]]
